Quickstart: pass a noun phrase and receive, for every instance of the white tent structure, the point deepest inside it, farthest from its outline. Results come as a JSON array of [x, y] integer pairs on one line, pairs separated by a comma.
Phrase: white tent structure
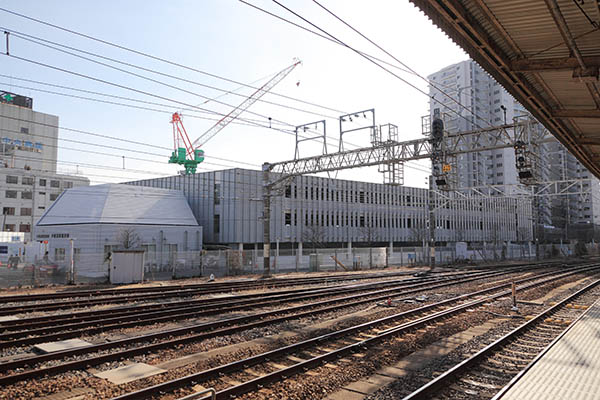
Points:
[[99, 219]]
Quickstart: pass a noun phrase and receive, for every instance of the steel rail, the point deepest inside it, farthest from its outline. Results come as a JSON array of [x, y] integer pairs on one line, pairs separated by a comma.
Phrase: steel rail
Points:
[[222, 306], [213, 285], [427, 391], [183, 292], [117, 311], [51, 323], [210, 326], [318, 360]]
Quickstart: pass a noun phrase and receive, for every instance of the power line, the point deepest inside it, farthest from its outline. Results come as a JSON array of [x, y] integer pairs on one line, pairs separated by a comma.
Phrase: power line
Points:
[[110, 154], [106, 82], [241, 122], [289, 132], [156, 58], [320, 35], [112, 138], [38, 40], [39, 21], [103, 81], [367, 58], [400, 62]]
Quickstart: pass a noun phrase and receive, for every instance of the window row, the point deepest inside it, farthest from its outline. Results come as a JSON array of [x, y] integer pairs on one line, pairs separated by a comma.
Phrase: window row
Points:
[[27, 195], [25, 211], [30, 180], [25, 228], [354, 196]]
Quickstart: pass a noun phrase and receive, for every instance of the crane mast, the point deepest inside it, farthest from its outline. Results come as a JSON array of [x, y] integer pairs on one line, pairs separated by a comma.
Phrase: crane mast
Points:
[[188, 153]]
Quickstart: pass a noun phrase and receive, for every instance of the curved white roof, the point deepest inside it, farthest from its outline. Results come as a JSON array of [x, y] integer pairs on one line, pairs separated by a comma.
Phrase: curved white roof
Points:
[[119, 204]]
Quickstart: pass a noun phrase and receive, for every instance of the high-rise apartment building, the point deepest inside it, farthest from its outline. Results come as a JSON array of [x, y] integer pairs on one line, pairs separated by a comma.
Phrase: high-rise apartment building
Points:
[[483, 103], [468, 98], [29, 182]]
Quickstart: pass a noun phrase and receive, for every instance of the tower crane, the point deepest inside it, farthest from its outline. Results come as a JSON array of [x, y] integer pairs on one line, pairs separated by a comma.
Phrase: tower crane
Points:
[[188, 153]]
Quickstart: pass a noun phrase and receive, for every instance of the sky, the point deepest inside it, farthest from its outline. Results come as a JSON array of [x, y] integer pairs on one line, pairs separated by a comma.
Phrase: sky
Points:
[[232, 40]]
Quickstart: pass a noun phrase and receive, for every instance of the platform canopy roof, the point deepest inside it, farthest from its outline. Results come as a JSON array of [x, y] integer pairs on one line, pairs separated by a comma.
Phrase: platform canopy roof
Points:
[[119, 204], [546, 53]]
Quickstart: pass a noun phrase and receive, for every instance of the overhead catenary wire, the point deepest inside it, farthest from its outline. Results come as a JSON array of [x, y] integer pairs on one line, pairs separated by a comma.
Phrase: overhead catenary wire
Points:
[[35, 62], [180, 65], [113, 138], [134, 142], [120, 156], [470, 110], [289, 132], [44, 42], [249, 121], [371, 60], [125, 87], [156, 58], [241, 122]]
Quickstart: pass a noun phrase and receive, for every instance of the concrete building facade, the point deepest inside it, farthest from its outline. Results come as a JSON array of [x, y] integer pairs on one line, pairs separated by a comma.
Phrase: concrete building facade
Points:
[[29, 181]]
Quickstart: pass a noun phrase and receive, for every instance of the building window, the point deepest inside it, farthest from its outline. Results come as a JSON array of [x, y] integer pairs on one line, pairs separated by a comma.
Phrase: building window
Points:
[[25, 211], [68, 184], [11, 194], [217, 199], [217, 224], [9, 227], [42, 193], [76, 254], [54, 184], [26, 195], [8, 211], [288, 217], [42, 182], [41, 208], [24, 228], [12, 179], [24, 130], [27, 180], [53, 196], [59, 254]]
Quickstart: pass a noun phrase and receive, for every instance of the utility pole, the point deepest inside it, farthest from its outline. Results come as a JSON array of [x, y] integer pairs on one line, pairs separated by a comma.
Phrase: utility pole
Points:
[[431, 203], [72, 269], [266, 220]]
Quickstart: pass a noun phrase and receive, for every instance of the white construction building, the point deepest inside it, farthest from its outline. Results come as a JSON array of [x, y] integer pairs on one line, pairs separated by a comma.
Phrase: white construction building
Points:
[[96, 220]]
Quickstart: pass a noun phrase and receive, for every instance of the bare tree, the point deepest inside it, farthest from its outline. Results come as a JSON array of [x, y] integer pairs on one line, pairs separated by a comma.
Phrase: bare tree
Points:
[[523, 235], [419, 233], [128, 238], [371, 235], [315, 235]]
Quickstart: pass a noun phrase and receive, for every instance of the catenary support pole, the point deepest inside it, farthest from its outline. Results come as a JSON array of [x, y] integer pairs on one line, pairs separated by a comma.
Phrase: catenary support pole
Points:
[[266, 221]]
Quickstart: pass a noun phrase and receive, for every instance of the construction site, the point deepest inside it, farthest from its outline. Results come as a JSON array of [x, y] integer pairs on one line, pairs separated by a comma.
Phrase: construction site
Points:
[[174, 228]]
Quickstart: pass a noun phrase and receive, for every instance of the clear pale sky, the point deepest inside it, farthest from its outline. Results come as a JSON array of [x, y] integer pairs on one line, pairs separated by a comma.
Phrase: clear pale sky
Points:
[[230, 39]]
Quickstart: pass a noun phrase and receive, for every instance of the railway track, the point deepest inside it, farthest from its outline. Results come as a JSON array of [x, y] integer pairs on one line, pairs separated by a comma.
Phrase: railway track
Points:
[[285, 362], [116, 296], [207, 330], [224, 286], [489, 370], [38, 330]]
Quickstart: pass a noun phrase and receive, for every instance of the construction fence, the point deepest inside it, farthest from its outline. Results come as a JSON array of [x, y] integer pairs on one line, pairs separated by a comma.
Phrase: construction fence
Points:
[[96, 268]]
